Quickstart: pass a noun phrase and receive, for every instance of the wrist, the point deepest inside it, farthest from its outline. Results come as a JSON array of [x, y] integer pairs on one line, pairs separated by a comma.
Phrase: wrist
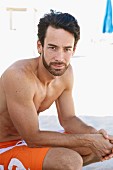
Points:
[[86, 140]]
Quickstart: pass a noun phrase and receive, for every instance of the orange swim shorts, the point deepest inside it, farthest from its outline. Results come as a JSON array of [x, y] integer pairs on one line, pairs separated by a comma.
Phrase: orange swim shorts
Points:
[[17, 155]]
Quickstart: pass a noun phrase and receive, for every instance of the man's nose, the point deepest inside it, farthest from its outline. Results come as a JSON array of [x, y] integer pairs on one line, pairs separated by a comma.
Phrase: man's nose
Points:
[[59, 56]]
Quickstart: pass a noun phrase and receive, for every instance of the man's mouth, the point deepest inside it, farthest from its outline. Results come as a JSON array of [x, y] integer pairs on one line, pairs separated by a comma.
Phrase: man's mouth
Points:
[[58, 65]]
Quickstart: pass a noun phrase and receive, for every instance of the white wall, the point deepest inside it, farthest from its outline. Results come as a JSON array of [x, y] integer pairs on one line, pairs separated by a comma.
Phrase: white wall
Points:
[[17, 35]]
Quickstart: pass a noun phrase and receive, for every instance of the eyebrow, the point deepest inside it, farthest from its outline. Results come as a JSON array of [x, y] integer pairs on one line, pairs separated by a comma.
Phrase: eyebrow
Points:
[[57, 46], [52, 45]]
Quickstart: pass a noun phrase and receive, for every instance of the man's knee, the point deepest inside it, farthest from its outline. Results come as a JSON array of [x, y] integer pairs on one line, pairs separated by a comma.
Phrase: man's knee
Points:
[[76, 161], [62, 158]]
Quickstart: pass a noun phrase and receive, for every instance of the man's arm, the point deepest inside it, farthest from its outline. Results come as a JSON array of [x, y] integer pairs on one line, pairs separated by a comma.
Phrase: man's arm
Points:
[[66, 111], [69, 121]]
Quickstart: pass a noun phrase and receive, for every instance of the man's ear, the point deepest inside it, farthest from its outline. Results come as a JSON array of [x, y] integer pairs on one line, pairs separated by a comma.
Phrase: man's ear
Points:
[[74, 49], [39, 47]]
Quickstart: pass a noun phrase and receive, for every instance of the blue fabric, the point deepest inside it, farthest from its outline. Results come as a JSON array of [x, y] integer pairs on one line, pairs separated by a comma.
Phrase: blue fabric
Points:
[[107, 24]]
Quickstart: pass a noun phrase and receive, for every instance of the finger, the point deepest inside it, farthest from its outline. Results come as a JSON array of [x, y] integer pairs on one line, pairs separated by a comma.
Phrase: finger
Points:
[[104, 133], [111, 155], [104, 159], [107, 157], [111, 141], [110, 137]]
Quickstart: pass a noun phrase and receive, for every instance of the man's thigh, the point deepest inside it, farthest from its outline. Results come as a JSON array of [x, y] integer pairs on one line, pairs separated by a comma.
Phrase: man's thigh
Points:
[[62, 158]]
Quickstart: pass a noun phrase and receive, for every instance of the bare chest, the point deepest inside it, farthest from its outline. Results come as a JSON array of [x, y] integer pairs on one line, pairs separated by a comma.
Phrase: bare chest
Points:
[[47, 97]]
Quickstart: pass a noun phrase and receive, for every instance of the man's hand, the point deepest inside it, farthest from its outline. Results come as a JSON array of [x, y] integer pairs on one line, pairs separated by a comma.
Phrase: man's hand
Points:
[[110, 138], [104, 133], [101, 147]]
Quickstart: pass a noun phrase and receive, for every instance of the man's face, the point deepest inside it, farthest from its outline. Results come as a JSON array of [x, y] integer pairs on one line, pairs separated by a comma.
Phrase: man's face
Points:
[[56, 68], [57, 51]]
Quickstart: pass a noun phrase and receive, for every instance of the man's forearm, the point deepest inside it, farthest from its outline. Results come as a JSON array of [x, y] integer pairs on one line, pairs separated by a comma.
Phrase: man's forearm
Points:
[[56, 139], [77, 126]]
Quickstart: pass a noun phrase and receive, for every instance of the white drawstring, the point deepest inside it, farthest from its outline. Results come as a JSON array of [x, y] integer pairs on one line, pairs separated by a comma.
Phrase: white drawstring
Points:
[[19, 143]]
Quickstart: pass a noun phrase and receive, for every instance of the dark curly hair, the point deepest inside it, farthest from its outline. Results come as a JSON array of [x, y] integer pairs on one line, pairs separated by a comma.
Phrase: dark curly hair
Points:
[[58, 20]]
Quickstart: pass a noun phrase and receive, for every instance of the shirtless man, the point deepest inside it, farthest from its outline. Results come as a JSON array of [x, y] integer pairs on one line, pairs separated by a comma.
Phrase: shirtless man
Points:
[[29, 87]]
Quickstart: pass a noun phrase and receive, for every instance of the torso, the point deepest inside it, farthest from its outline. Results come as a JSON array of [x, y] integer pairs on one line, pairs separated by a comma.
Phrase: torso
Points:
[[48, 96]]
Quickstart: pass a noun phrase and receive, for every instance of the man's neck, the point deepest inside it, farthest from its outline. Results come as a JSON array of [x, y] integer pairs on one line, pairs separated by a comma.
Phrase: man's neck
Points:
[[43, 74]]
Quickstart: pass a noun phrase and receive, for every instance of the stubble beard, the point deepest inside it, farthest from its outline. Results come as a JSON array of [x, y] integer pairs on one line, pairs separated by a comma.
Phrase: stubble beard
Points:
[[52, 70]]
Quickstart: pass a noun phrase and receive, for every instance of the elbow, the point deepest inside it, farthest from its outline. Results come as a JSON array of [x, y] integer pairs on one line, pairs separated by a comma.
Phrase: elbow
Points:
[[62, 123], [30, 143], [36, 140], [65, 126]]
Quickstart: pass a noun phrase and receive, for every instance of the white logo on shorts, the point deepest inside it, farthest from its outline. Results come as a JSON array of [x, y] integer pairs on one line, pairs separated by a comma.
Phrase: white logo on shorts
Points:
[[1, 167], [14, 162]]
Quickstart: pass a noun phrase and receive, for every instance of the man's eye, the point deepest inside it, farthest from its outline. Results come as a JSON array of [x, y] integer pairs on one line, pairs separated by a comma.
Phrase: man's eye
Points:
[[68, 49], [52, 48]]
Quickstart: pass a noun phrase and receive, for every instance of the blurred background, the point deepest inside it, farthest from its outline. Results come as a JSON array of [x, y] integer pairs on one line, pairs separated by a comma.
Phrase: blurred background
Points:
[[92, 63]]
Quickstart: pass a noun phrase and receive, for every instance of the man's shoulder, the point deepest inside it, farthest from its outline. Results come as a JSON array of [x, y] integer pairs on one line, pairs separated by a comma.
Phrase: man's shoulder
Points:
[[18, 71], [17, 78], [12, 71], [18, 67]]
